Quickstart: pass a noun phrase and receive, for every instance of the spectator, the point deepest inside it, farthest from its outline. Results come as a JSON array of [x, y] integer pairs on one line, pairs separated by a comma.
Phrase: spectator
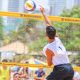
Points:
[[25, 72], [39, 74], [16, 76], [13, 71], [4, 71]]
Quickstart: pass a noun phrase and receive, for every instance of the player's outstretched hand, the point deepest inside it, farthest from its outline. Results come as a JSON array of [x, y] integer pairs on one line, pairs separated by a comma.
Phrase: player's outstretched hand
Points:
[[42, 9]]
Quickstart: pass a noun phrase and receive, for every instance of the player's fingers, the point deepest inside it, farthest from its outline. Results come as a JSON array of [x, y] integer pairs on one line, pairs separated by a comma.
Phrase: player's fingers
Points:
[[42, 9]]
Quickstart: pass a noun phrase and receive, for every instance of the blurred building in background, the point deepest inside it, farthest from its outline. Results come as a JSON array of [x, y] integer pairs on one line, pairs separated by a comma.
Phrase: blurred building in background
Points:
[[0, 4], [21, 5], [12, 6], [71, 3], [77, 2], [15, 6], [57, 6]]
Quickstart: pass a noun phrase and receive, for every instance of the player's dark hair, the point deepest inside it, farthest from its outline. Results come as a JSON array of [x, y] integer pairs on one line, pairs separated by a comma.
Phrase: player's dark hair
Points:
[[50, 32]]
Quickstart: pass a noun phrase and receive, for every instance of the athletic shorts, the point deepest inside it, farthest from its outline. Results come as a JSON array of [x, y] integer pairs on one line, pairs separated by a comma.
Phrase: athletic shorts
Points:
[[61, 72]]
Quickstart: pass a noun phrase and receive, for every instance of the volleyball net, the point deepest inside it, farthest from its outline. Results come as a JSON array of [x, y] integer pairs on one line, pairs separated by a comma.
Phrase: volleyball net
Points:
[[22, 40]]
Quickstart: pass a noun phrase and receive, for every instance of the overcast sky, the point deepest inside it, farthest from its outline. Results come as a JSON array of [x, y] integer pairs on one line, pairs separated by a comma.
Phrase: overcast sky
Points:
[[42, 3]]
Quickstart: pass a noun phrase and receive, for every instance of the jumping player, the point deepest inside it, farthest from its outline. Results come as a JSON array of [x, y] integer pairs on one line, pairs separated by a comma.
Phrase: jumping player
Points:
[[56, 54]]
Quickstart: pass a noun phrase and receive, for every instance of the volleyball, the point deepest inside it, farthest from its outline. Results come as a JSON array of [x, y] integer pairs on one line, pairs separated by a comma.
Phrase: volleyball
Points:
[[30, 5]]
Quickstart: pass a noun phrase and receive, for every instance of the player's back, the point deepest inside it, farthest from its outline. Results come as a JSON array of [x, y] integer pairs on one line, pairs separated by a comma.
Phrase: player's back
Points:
[[60, 54]]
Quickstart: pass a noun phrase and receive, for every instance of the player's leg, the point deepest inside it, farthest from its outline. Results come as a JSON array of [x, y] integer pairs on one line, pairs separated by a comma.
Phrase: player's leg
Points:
[[69, 78], [56, 74], [70, 73], [51, 76], [61, 72]]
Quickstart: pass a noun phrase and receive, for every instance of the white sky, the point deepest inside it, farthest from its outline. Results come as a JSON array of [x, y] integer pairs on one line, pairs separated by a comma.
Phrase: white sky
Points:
[[4, 5], [43, 3]]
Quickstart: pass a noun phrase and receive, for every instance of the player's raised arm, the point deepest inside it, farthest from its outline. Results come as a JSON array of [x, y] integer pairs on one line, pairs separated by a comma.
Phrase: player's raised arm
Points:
[[47, 21]]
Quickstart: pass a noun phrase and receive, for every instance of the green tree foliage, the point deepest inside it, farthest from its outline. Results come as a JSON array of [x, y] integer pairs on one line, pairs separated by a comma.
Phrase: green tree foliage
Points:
[[70, 32], [1, 28], [25, 32], [1, 31], [28, 30], [39, 43]]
